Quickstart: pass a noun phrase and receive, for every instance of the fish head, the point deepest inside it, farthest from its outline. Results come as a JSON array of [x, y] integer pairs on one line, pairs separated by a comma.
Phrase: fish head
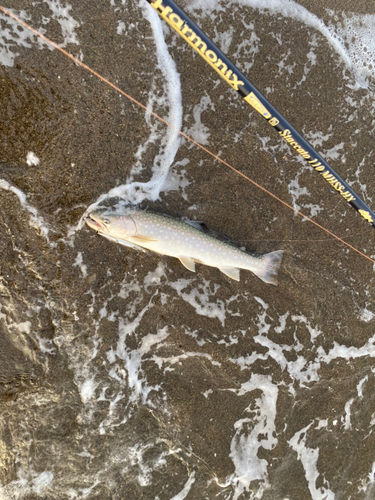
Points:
[[113, 224]]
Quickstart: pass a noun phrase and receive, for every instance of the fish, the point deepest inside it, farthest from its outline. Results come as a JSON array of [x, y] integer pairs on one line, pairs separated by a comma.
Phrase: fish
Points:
[[144, 230]]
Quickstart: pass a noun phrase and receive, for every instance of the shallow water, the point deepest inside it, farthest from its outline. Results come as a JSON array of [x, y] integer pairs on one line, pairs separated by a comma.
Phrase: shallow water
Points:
[[124, 375]]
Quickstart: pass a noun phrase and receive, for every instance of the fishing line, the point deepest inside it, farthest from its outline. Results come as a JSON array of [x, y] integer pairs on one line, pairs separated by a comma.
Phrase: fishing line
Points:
[[103, 79]]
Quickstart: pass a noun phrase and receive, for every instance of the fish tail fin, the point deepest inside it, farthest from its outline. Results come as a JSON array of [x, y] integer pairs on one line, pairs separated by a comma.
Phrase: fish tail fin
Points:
[[272, 262]]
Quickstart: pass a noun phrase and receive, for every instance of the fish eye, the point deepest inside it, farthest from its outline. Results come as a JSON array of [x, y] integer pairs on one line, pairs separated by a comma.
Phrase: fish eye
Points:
[[106, 220]]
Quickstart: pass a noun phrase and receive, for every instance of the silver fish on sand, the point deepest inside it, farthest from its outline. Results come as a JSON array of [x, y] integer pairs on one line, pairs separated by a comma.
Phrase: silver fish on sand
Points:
[[165, 235]]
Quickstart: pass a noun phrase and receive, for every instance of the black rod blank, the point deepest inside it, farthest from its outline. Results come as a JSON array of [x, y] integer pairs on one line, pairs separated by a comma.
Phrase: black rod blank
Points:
[[190, 32]]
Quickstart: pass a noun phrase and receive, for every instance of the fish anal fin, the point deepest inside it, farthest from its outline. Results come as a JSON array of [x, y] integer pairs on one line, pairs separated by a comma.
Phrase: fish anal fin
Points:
[[188, 263], [232, 272]]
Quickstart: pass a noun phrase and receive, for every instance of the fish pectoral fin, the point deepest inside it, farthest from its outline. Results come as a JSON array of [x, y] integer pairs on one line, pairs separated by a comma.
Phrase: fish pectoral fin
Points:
[[141, 238], [123, 242], [232, 272], [201, 226], [188, 263], [131, 245]]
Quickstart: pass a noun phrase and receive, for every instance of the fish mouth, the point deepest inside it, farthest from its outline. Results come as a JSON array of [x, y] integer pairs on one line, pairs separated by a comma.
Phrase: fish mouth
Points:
[[95, 223]]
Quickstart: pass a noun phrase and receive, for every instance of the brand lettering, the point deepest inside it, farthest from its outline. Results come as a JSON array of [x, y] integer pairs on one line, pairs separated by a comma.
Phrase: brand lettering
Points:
[[220, 65], [287, 135], [331, 179], [211, 55], [197, 43], [319, 167], [176, 20], [256, 104]]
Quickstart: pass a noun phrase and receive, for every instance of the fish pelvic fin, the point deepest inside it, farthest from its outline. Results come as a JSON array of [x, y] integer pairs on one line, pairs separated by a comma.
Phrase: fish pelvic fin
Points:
[[232, 272], [188, 263], [272, 262]]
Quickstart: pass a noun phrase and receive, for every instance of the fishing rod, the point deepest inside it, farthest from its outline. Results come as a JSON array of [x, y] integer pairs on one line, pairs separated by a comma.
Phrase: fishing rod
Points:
[[190, 32]]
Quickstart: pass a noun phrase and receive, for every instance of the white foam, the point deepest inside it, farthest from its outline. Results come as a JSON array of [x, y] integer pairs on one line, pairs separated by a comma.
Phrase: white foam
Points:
[[19, 330], [132, 358], [232, 340], [296, 191], [79, 263], [199, 132], [347, 423], [206, 6], [120, 27], [322, 424], [154, 277], [61, 14], [309, 459], [45, 345], [251, 434], [317, 138], [357, 183], [283, 66], [299, 369], [32, 159], [28, 483], [15, 35], [351, 37], [313, 331], [172, 360], [135, 192], [36, 220], [176, 179], [139, 462], [360, 386], [207, 393], [200, 298], [12, 37], [356, 34], [81, 493], [366, 485], [311, 61], [224, 38], [185, 490], [249, 45], [81, 355], [334, 152], [87, 390]]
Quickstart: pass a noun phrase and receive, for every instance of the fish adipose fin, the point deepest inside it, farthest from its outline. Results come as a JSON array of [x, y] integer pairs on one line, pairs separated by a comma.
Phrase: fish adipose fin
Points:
[[123, 242], [272, 262], [232, 272], [188, 263]]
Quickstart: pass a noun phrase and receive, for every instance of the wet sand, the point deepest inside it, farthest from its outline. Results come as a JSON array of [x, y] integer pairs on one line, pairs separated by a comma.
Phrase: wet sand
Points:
[[123, 375]]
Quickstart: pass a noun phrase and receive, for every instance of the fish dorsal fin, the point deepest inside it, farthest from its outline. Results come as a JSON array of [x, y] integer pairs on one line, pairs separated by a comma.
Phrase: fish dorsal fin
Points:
[[232, 272], [141, 238], [188, 263], [123, 242]]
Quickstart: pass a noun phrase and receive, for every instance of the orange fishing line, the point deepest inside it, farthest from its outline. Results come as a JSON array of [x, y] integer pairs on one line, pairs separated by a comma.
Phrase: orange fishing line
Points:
[[77, 61]]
